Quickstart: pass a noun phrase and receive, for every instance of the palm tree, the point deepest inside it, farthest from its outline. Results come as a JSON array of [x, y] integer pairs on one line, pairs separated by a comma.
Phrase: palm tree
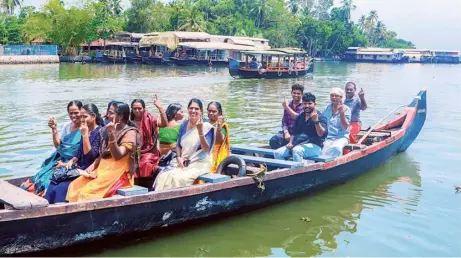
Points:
[[363, 22], [347, 6], [379, 32], [10, 5], [116, 7], [372, 18], [192, 20], [260, 11]]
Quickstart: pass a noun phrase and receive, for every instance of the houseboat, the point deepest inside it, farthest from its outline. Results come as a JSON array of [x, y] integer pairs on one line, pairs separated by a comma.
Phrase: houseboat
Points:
[[158, 47], [211, 53], [417, 55], [444, 56], [375, 55], [259, 43], [132, 53], [120, 53], [272, 64]]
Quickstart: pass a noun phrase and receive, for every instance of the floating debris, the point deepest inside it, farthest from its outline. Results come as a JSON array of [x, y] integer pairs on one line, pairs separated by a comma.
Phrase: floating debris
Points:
[[306, 219], [203, 250]]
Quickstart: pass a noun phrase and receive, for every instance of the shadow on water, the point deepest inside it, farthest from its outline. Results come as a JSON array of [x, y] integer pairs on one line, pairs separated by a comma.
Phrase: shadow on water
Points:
[[276, 230]]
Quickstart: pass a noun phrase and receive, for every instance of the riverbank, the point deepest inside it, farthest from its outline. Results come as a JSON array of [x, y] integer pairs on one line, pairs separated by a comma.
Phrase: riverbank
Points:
[[42, 59]]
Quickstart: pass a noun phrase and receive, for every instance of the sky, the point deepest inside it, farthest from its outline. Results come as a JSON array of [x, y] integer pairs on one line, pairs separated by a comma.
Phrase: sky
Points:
[[433, 24]]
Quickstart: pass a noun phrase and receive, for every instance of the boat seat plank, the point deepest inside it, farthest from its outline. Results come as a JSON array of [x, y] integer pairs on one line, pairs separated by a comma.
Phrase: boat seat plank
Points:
[[214, 178], [265, 151], [18, 198], [270, 162], [135, 190], [251, 149]]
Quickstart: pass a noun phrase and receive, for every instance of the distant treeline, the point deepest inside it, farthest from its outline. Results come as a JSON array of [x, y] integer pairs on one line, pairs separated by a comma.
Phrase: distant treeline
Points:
[[315, 25]]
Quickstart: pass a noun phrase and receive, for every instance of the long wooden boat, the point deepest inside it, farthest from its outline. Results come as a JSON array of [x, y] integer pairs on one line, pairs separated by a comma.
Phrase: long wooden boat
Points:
[[60, 225], [272, 64]]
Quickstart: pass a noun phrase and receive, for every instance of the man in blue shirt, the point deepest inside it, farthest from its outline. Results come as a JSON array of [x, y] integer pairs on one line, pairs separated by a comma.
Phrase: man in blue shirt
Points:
[[356, 102], [339, 119], [309, 132]]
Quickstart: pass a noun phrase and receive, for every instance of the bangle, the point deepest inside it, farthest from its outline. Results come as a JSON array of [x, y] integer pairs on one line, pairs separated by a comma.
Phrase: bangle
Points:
[[201, 135], [110, 142]]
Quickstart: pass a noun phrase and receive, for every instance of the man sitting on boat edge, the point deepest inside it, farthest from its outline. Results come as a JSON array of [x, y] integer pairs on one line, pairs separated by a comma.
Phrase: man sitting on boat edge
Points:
[[291, 111], [309, 131], [355, 103], [339, 118]]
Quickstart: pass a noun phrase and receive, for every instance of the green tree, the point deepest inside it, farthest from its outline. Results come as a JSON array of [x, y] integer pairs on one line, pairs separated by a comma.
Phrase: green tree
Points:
[[139, 16]]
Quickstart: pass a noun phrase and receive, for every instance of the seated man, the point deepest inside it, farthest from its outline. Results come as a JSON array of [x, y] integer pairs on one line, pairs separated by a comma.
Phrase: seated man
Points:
[[291, 111], [309, 132], [253, 63], [355, 103], [339, 118]]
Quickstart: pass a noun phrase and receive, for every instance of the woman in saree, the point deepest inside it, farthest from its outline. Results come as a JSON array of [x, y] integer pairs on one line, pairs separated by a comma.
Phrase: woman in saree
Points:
[[66, 147], [148, 128], [194, 147], [168, 136], [117, 163], [88, 152], [221, 149]]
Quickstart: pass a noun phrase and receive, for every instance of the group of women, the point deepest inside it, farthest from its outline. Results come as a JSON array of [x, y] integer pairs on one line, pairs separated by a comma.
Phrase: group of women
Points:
[[95, 157]]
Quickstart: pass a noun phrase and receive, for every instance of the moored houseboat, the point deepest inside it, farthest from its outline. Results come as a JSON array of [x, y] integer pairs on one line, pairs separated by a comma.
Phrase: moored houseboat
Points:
[[119, 52], [159, 47], [272, 64], [132, 53], [374, 55], [417, 55], [444, 57], [208, 53]]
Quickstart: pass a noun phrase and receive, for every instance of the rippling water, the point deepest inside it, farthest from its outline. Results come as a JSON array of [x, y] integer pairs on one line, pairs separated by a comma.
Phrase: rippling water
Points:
[[404, 208]]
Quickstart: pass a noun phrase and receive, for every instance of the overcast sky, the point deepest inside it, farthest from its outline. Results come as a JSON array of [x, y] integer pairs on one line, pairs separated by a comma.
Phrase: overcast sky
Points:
[[434, 24]]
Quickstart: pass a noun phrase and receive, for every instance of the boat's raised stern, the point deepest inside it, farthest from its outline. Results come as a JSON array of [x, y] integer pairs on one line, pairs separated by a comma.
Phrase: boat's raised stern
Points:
[[418, 117], [234, 67]]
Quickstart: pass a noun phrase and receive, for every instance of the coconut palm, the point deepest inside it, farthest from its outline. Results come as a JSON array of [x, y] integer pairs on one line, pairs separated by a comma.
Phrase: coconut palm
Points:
[[380, 32], [260, 10], [191, 19], [347, 7], [372, 18], [9, 6], [363, 22]]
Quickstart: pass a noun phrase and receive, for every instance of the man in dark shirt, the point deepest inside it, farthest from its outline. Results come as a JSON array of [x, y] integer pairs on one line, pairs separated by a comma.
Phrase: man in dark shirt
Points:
[[291, 110], [309, 131]]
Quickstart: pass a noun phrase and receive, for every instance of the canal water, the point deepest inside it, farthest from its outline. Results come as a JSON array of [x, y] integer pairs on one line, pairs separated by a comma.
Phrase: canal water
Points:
[[408, 207]]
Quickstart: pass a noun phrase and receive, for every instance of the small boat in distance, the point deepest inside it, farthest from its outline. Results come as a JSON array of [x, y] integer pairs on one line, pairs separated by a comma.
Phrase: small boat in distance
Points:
[[53, 226], [272, 64]]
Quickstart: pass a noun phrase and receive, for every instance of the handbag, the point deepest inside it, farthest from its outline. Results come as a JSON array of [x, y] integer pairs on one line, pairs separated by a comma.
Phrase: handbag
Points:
[[62, 174]]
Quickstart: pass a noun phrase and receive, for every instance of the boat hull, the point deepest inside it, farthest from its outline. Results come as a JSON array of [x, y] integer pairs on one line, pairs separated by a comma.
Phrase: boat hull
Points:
[[185, 62], [134, 60], [153, 60], [23, 231]]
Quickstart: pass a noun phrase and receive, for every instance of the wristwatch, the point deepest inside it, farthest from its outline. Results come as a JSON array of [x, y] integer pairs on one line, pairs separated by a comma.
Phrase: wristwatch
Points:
[[316, 122]]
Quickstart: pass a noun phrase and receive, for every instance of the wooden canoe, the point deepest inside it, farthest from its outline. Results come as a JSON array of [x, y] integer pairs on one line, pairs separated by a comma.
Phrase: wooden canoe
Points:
[[61, 225]]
